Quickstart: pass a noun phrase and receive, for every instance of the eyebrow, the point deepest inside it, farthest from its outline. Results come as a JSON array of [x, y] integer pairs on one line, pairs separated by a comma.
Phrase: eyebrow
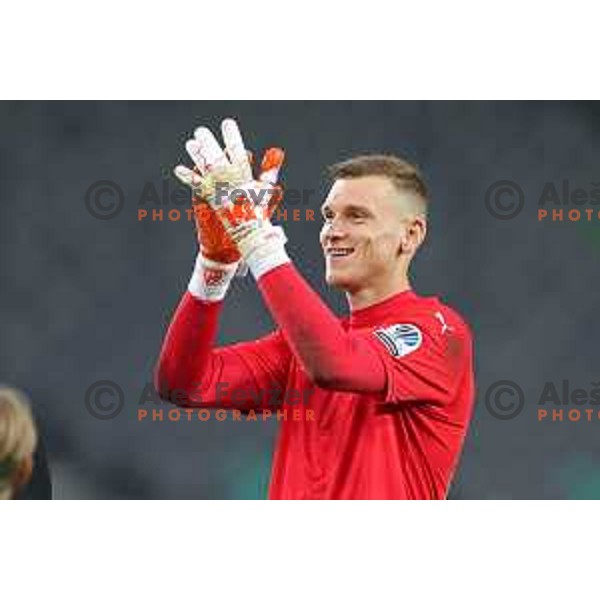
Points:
[[348, 208]]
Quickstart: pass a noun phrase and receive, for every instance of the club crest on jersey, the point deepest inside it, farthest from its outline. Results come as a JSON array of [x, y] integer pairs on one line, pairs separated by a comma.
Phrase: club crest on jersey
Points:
[[400, 339]]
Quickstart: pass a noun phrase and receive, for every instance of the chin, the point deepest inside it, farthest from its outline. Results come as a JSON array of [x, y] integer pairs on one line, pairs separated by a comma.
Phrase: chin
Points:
[[339, 280]]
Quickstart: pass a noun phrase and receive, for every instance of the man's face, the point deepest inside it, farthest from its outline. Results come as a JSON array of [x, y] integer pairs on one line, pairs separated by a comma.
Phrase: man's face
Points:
[[364, 223]]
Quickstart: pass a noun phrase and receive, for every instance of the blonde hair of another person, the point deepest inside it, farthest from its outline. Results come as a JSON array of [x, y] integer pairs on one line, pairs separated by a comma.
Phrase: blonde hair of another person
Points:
[[18, 439]]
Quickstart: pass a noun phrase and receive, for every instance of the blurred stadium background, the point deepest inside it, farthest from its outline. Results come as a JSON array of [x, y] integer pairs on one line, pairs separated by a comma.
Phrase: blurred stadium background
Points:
[[84, 299]]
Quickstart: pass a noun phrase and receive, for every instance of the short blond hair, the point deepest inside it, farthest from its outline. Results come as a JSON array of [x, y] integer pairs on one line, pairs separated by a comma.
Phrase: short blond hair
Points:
[[18, 440], [404, 176]]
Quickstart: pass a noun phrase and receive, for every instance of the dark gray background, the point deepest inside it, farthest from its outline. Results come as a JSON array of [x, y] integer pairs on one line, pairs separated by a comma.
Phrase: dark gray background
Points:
[[84, 300]]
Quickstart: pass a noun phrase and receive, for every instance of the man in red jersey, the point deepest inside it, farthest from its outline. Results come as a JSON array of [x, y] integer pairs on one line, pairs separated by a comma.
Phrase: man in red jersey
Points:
[[387, 392]]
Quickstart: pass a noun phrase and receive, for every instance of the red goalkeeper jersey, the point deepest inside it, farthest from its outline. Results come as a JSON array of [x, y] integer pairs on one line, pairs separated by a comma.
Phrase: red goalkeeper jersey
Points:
[[402, 441]]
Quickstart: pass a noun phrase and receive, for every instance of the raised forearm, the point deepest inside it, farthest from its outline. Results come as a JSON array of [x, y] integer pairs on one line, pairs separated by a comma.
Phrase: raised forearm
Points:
[[185, 356], [332, 357]]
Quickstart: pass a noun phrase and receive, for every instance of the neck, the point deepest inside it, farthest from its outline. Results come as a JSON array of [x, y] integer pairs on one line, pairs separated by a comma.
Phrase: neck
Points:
[[365, 297]]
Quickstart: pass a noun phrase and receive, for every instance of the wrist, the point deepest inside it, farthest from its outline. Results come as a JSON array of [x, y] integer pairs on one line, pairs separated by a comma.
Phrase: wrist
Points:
[[210, 279], [265, 251]]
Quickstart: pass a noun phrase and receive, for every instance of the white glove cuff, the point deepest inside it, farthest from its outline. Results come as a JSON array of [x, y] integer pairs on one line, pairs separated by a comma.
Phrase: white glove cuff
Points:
[[270, 253], [210, 280]]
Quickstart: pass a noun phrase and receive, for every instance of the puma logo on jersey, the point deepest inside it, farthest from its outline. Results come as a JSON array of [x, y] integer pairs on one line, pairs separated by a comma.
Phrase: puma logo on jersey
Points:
[[445, 327]]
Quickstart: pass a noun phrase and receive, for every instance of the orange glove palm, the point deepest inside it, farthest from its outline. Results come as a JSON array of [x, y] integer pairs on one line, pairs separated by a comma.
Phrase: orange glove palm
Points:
[[214, 241]]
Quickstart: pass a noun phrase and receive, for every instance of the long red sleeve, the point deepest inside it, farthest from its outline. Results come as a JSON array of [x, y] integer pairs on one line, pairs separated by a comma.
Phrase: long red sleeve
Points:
[[191, 372], [333, 357]]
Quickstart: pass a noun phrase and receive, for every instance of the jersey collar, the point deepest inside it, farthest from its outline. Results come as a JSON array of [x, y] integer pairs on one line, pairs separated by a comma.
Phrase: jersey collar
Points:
[[376, 313]]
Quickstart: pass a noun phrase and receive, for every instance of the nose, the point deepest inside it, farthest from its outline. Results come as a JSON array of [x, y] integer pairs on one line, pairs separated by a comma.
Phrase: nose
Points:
[[333, 232]]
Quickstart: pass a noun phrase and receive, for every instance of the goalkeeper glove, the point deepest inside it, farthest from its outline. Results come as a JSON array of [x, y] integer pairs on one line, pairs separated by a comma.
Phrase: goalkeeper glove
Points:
[[219, 257], [246, 222]]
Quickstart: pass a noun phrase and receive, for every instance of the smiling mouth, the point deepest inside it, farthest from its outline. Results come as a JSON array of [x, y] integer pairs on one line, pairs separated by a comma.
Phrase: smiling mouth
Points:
[[336, 254]]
